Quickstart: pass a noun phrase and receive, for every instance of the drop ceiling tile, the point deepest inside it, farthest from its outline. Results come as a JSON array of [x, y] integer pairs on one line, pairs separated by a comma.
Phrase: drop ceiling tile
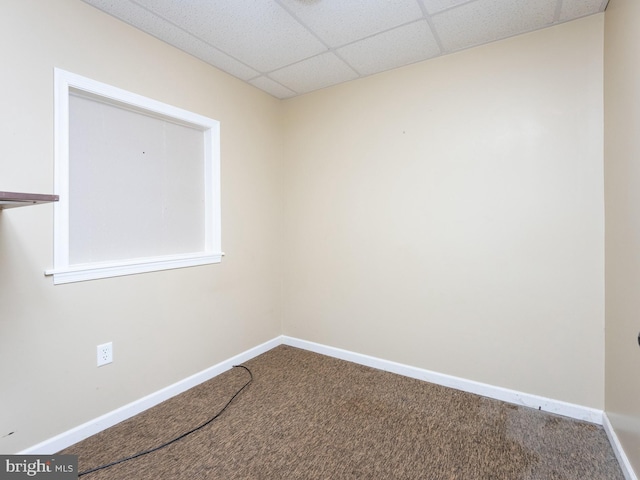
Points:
[[255, 32], [579, 8], [314, 73], [214, 57], [271, 87], [339, 22], [394, 48], [434, 6], [141, 19], [251, 39], [484, 21]]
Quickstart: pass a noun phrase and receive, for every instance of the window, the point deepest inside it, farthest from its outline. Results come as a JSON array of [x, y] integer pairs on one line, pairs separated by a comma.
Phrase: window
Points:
[[138, 180]]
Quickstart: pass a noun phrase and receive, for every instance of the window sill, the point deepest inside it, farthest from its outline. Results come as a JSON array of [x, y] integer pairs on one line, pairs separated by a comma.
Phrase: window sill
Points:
[[94, 271]]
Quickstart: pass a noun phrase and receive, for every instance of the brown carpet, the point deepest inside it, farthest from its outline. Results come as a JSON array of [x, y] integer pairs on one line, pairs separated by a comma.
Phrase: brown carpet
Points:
[[308, 416]]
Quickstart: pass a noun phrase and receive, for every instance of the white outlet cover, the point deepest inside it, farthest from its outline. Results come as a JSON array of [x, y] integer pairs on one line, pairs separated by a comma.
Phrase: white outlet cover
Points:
[[104, 354]]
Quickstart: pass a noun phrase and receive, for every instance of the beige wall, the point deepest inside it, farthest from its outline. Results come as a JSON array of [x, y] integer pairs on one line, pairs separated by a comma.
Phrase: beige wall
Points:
[[449, 215], [622, 200], [164, 326]]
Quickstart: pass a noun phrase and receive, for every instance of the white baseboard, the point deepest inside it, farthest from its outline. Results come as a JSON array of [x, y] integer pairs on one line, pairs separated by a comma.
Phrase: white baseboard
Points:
[[623, 460], [559, 407], [70, 437]]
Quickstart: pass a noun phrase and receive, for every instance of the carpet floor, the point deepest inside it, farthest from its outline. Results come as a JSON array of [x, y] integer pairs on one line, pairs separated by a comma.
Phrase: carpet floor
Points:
[[309, 416]]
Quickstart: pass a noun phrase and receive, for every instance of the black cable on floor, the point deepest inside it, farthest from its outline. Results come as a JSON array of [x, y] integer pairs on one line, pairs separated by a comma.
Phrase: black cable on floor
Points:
[[140, 454]]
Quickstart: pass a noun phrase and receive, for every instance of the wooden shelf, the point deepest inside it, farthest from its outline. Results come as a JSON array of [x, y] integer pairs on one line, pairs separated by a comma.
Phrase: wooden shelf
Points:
[[12, 199]]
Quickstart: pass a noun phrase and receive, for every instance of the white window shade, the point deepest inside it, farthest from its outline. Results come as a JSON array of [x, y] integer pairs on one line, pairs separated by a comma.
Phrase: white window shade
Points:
[[138, 182]]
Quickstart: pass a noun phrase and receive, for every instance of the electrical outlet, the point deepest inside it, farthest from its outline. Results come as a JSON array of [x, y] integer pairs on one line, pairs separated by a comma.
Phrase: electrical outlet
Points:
[[105, 354]]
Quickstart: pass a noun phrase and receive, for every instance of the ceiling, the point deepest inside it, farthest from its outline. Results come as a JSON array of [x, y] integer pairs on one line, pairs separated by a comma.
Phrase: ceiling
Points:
[[292, 47]]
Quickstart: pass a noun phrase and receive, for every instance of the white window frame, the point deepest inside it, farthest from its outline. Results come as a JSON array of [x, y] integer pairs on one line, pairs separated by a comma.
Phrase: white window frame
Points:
[[63, 271]]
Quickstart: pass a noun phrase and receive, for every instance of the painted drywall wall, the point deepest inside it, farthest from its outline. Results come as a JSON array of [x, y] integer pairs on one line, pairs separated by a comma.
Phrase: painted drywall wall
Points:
[[622, 202], [449, 215], [166, 325]]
